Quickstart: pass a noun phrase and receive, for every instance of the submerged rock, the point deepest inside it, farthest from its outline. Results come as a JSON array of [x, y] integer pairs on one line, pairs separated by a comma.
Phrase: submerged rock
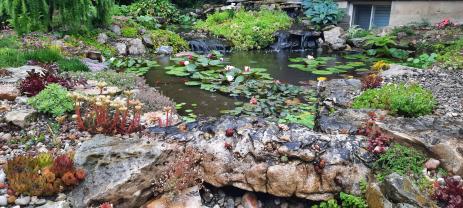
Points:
[[122, 171]]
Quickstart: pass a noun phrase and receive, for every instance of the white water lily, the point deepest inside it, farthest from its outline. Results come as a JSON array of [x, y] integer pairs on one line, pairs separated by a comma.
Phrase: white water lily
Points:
[[310, 57], [186, 63], [230, 78], [247, 69], [229, 67]]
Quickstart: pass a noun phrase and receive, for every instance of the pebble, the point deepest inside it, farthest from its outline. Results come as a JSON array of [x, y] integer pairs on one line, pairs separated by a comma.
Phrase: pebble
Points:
[[2, 176], [61, 197], [432, 164], [3, 200], [23, 200]]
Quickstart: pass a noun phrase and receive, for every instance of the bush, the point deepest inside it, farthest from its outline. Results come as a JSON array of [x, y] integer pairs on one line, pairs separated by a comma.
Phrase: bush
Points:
[[44, 55], [162, 9], [357, 32], [405, 100], [73, 65], [129, 32], [400, 159], [383, 47], [322, 12], [11, 57], [352, 201], [168, 38], [246, 29], [53, 100]]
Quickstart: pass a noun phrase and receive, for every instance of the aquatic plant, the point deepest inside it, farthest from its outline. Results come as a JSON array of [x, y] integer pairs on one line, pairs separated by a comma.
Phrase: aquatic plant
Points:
[[450, 192], [313, 65], [102, 114], [322, 12], [246, 29], [406, 100], [136, 66], [371, 81], [53, 99], [399, 159]]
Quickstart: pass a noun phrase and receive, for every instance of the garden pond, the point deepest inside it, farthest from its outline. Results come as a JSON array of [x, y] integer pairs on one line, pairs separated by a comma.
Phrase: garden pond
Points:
[[287, 67]]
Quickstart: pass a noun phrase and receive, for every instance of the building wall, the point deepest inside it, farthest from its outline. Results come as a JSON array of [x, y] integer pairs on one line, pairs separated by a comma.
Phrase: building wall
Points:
[[403, 12]]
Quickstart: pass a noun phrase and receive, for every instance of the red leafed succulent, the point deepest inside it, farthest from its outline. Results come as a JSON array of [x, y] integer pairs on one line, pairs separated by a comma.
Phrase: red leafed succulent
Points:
[[378, 142], [80, 174], [37, 81], [229, 132], [106, 205], [62, 164], [450, 193], [371, 81], [69, 179]]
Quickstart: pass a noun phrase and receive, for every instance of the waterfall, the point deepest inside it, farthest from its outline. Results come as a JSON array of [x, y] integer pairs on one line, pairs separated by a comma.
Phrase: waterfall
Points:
[[295, 40], [204, 46]]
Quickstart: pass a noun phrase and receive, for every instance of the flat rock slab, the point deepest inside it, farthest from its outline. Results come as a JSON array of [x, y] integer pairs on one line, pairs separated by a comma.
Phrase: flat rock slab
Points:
[[340, 92], [19, 73], [21, 118], [8, 92], [123, 171]]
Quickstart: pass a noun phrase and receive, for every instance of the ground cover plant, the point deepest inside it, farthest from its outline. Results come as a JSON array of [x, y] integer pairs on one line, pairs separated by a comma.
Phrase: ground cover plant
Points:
[[400, 99], [53, 100], [450, 54], [169, 38], [246, 29]]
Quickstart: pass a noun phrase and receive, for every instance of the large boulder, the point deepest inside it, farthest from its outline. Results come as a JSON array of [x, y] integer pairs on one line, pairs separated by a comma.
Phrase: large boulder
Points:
[[340, 92], [21, 117], [335, 38], [136, 47], [259, 157], [19, 73], [401, 190]]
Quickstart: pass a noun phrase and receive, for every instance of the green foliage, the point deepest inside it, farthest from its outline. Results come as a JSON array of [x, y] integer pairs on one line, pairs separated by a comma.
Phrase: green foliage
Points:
[[160, 9], [423, 61], [383, 47], [42, 15], [44, 55], [53, 99], [246, 29], [352, 201], [399, 159], [72, 64], [11, 57], [401, 99], [328, 204], [129, 32], [357, 32], [106, 49], [409, 30], [168, 38], [322, 12], [450, 55], [10, 41], [131, 65], [124, 81]]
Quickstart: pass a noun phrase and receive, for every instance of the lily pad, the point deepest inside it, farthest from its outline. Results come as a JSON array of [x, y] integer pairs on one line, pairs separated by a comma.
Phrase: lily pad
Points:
[[322, 72]]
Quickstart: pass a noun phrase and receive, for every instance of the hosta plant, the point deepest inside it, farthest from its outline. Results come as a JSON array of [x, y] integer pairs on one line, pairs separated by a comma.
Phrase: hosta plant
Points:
[[322, 12], [53, 100]]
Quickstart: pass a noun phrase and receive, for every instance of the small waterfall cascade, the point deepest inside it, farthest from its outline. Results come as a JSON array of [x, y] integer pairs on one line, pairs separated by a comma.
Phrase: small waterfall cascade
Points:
[[293, 40], [205, 46]]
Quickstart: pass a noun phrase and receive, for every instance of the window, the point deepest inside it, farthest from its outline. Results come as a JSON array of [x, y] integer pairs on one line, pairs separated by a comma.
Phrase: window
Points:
[[369, 16]]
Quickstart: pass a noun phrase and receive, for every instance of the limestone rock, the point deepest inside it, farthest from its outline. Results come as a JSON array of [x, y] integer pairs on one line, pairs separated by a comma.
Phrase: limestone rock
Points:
[[335, 38], [400, 189], [344, 121], [8, 92], [165, 50], [121, 48], [58, 204], [19, 73], [188, 198], [95, 65], [20, 118], [136, 47], [398, 70], [116, 29], [95, 55], [375, 198], [340, 92], [102, 38], [147, 40], [432, 164]]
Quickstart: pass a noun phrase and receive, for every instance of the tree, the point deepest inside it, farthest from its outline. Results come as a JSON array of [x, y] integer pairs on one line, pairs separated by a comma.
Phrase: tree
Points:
[[46, 15]]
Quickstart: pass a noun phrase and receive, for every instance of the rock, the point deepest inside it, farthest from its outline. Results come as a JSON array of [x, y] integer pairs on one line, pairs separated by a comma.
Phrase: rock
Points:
[[8, 92], [116, 29], [23, 200], [58, 204], [21, 118], [3, 200], [188, 198], [340, 92], [399, 189], [148, 41], [432, 164], [61, 197], [334, 37], [96, 91], [2, 176], [95, 66], [136, 47], [19, 73], [375, 198], [121, 48], [102, 38], [450, 153], [165, 50], [398, 70], [249, 200], [356, 42], [345, 121], [95, 55], [121, 171]]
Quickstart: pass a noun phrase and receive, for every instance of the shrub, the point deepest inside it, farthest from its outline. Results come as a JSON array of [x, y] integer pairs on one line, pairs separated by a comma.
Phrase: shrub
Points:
[[357, 32], [73, 65], [11, 57], [401, 99], [352, 201], [322, 12], [53, 99], [400, 159], [129, 32], [168, 38], [246, 29], [44, 55], [162, 9]]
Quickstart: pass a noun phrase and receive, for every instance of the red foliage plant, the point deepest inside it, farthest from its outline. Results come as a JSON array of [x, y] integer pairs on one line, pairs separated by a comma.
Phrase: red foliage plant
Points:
[[444, 23], [37, 81], [371, 81], [450, 193], [62, 164], [101, 114], [378, 142]]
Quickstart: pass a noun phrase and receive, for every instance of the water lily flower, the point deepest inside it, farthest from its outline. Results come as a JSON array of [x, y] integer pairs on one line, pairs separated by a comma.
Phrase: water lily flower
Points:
[[190, 57], [310, 57], [276, 81], [209, 55], [228, 68], [221, 59], [247, 69], [321, 78], [253, 101], [186, 63], [230, 78]]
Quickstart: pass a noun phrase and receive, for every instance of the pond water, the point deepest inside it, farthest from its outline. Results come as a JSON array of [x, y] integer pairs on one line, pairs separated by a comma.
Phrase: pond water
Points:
[[204, 103]]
